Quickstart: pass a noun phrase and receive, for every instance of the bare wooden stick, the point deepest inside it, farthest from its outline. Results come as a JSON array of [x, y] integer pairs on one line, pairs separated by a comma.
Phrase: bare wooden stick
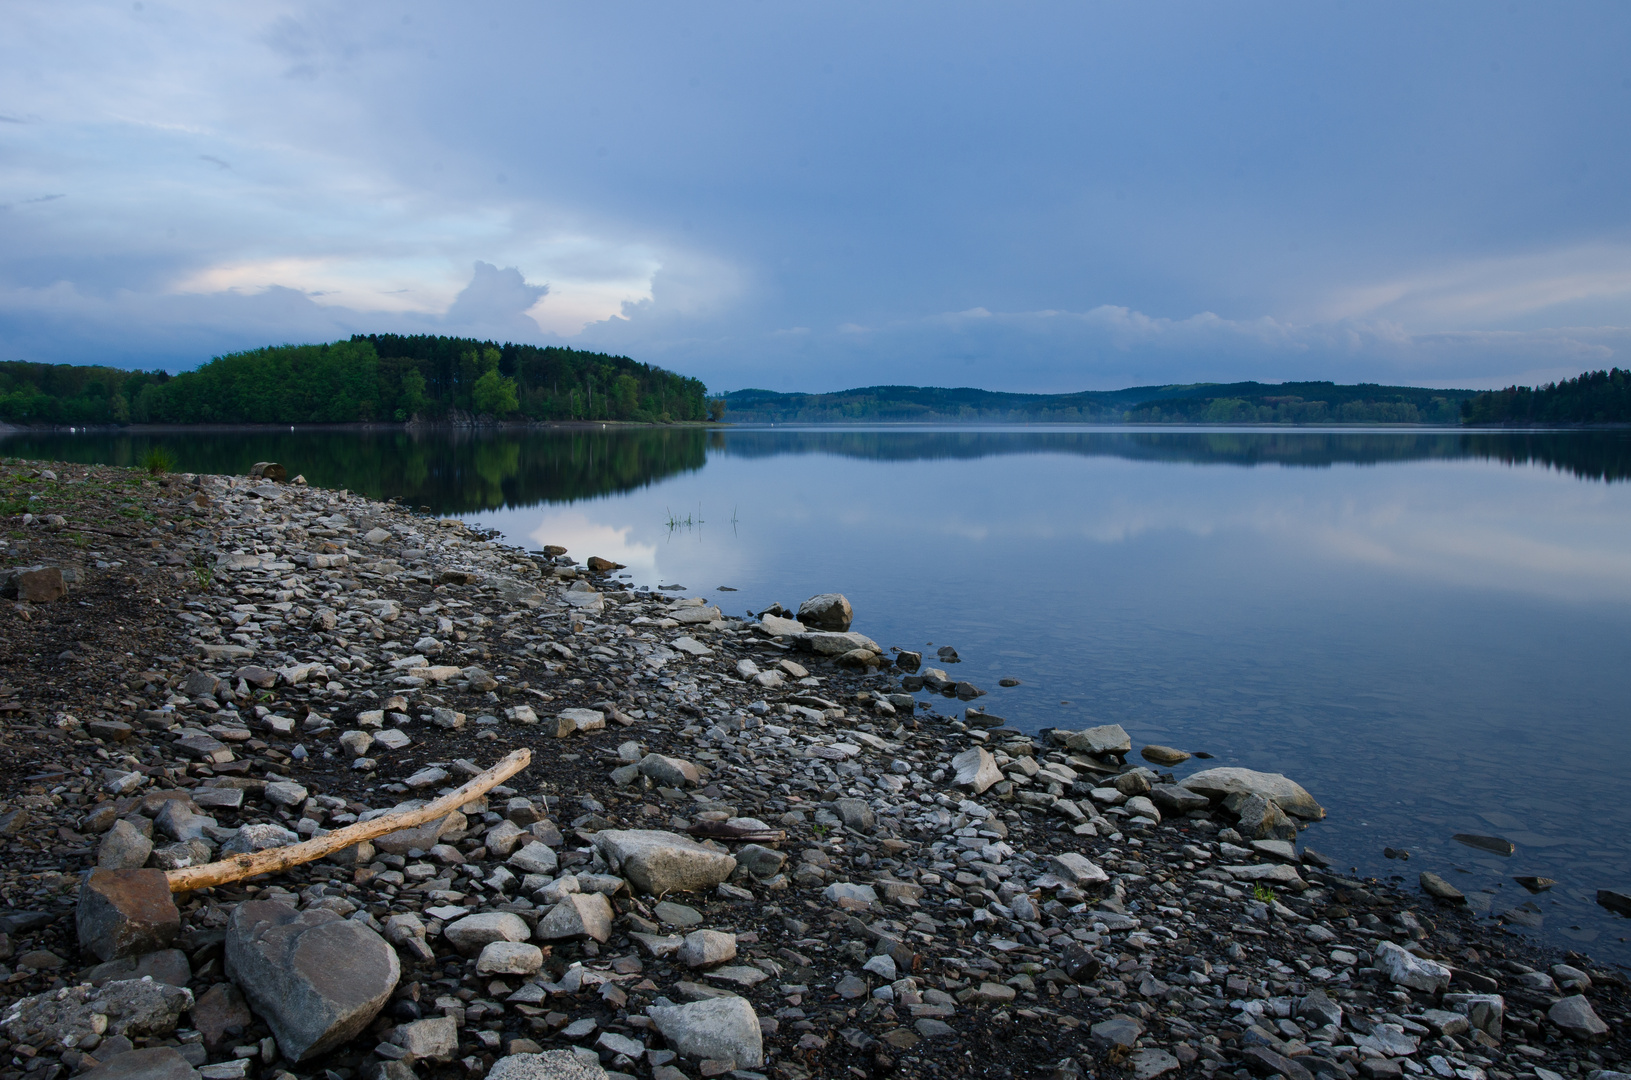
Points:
[[271, 860]]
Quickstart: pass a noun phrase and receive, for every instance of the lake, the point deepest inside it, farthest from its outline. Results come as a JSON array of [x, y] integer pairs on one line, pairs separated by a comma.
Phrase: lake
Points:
[[1427, 629]]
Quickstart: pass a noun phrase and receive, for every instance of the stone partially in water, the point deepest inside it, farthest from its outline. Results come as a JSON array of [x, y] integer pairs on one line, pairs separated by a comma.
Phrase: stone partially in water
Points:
[[1164, 755], [1218, 784], [1435, 886], [828, 611], [1485, 843]]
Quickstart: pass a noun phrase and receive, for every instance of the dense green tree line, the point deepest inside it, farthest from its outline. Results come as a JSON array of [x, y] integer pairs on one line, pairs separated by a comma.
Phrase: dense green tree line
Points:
[[1594, 397], [380, 377], [1198, 403], [70, 394]]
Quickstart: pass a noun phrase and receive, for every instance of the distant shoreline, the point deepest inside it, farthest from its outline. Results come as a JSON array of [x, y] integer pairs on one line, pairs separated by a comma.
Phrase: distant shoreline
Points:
[[590, 425]]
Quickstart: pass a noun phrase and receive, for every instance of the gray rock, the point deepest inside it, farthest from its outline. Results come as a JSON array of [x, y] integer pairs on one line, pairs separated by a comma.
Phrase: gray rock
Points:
[[1260, 818], [670, 771], [221, 1014], [1319, 1007], [177, 856], [1437, 887], [1178, 800], [854, 813], [1575, 1016], [549, 1065], [1077, 869], [658, 862], [123, 847], [717, 1029], [578, 915], [433, 1039], [424, 837], [760, 861], [1104, 739], [705, 948], [534, 858], [132, 1008], [154, 1063], [316, 979], [252, 838], [976, 769], [672, 914], [165, 966], [1164, 755], [568, 721], [179, 821], [1407, 969], [509, 958], [1218, 784], [126, 912], [472, 933], [1149, 1063], [285, 793], [1119, 1030], [828, 611]]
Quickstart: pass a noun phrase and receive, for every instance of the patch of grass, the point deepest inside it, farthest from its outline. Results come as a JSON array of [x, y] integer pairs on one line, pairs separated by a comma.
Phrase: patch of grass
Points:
[[204, 571], [157, 460], [1262, 892]]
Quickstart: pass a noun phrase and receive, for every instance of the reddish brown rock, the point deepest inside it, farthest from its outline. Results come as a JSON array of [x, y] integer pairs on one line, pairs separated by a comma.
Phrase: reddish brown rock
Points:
[[125, 913]]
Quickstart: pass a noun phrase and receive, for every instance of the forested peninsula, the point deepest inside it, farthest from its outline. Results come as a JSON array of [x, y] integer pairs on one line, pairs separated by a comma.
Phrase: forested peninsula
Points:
[[369, 378]]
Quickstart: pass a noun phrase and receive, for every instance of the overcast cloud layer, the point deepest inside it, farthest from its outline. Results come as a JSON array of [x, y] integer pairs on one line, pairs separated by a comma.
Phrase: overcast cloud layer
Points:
[[1024, 197]]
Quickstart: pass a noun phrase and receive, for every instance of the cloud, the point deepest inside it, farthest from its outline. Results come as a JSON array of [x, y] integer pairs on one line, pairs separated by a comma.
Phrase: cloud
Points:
[[496, 300], [1058, 201]]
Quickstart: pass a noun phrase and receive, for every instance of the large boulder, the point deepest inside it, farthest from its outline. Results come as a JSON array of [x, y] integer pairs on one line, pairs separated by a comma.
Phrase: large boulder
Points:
[[829, 611], [126, 912], [714, 1029], [658, 862], [128, 1007], [1218, 784], [316, 979]]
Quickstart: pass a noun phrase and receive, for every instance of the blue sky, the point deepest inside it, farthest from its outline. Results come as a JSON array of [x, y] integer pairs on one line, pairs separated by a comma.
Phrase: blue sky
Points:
[[1027, 196]]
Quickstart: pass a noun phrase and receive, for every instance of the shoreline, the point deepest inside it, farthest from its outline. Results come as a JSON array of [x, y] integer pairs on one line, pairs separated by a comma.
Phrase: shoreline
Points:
[[236, 644]]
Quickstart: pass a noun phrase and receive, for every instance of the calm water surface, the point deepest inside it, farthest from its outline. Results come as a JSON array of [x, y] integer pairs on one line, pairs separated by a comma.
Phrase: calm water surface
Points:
[[1428, 630]]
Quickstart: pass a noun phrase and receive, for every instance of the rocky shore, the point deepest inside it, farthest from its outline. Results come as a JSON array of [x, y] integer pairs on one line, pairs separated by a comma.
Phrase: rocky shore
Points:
[[757, 847]]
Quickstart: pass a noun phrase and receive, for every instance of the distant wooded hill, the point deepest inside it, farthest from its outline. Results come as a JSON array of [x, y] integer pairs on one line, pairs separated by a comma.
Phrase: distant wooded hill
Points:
[[378, 377], [1198, 403], [1595, 397]]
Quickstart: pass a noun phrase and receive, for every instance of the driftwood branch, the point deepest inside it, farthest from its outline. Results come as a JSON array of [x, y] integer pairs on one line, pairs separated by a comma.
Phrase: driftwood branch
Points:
[[271, 860]]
